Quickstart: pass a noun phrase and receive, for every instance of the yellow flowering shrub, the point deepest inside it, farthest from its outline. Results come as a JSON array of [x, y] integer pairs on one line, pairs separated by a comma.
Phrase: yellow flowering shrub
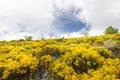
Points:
[[54, 50], [5, 49], [61, 70], [109, 71], [84, 58], [45, 60], [17, 63]]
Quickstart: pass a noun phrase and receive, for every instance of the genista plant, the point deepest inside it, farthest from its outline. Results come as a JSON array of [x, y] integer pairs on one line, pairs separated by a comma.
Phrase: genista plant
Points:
[[84, 58]]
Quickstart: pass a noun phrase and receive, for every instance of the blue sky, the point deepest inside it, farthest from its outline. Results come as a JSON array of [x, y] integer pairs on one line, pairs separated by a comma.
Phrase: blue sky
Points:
[[56, 18], [67, 21]]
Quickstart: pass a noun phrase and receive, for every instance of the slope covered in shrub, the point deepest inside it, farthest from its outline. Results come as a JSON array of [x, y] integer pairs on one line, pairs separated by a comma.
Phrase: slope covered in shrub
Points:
[[84, 58]]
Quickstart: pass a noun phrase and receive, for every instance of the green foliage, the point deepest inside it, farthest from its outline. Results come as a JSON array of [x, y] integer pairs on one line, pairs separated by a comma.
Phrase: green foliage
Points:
[[111, 30], [21, 39], [86, 34], [28, 38]]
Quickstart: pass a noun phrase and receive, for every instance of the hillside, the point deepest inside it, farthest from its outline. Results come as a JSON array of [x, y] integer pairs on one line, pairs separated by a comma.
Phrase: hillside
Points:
[[84, 58]]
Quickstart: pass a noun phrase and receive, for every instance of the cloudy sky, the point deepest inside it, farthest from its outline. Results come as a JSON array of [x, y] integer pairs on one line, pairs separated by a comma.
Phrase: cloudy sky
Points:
[[56, 18]]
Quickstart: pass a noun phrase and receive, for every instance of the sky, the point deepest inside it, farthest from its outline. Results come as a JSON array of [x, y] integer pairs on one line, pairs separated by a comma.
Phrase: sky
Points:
[[56, 18]]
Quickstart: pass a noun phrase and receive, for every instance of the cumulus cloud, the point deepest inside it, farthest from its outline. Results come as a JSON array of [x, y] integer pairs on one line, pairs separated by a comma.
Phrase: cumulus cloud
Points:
[[67, 21], [26, 16], [39, 18], [100, 14], [97, 14]]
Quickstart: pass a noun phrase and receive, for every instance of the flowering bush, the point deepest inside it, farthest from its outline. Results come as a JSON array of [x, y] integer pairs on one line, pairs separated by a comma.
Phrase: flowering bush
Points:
[[85, 58], [81, 59]]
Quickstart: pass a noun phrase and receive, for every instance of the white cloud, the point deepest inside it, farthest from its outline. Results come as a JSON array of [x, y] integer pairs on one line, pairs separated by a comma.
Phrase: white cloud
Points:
[[34, 17], [71, 35], [15, 36], [100, 14]]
